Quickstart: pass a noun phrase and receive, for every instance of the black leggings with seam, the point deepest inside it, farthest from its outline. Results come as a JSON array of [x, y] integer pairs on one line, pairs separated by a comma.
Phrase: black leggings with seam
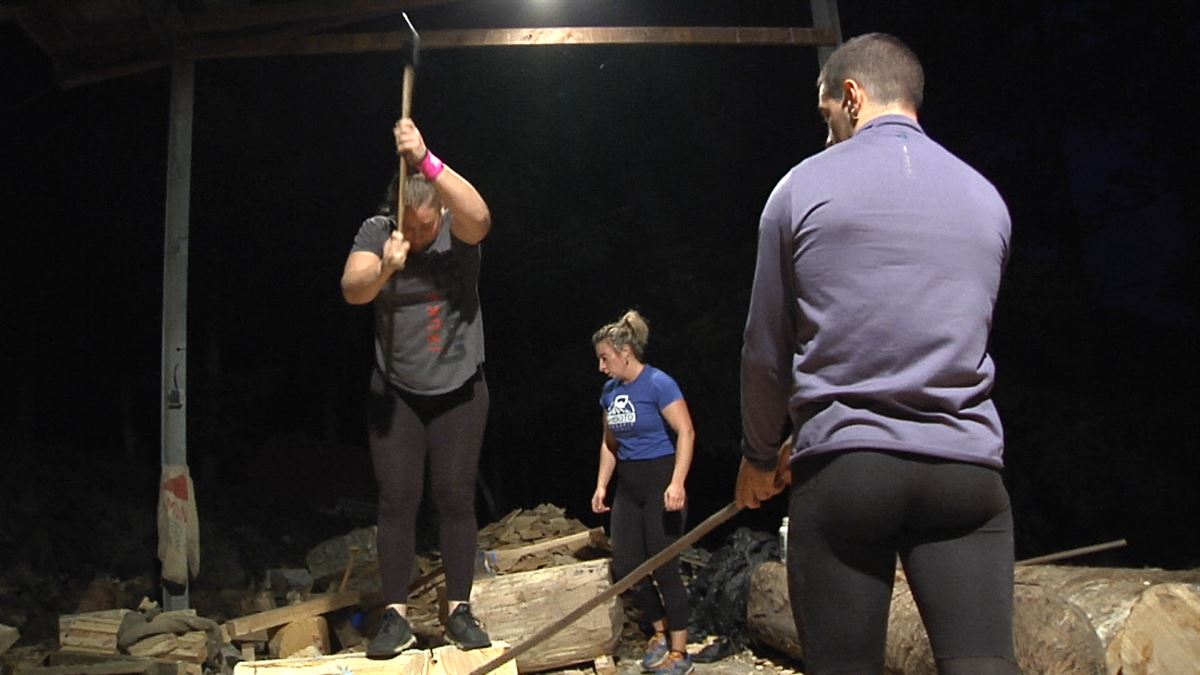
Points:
[[641, 526], [403, 430], [852, 513]]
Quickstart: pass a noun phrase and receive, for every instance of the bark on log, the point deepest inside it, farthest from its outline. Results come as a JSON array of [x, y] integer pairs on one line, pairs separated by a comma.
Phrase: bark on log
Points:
[[1066, 620], [769, 612], [1052, 636], [515, 606]]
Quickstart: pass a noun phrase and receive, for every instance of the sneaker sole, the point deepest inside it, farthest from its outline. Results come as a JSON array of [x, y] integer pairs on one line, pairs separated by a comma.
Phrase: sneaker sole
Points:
[[394, 652], [653, 668], [465, 648]]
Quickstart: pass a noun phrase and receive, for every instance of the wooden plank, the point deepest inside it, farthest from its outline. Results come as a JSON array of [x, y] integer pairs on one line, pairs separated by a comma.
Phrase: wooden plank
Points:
[[112, 667], [234, 17], [413, 662], [501, 558], [450, 660], [351, 43], [271, 618], [203, 48]]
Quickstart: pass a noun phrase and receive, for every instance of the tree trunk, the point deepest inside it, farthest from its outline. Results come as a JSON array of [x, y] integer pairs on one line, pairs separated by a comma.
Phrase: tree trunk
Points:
[[1065, 620]]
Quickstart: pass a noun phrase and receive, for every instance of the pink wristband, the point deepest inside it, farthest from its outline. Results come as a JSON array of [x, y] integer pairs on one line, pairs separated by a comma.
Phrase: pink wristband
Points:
[[431, 167]]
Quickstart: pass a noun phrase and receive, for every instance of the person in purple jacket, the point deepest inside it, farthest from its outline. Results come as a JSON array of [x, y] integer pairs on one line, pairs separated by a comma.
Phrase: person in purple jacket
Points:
[[648, 434], [879, 261]]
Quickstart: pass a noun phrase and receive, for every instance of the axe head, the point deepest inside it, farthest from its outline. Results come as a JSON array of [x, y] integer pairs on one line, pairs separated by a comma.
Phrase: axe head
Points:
[[412, 50]]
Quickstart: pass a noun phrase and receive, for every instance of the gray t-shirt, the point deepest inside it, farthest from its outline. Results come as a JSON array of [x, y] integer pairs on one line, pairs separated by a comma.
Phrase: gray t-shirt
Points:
[[428, 324], [879, 261]]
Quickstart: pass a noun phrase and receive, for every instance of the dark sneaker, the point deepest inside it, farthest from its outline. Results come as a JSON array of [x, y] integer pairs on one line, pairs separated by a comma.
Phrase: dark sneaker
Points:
[[656, 653], [676, 663], [463, 629], [394, 636]]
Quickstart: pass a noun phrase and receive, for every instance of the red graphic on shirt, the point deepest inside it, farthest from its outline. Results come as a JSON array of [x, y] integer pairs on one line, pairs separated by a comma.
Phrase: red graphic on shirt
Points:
[[433, 328]]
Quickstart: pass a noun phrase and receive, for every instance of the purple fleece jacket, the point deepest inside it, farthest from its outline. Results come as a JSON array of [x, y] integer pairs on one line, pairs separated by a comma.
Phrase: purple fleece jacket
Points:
[[879, 261]]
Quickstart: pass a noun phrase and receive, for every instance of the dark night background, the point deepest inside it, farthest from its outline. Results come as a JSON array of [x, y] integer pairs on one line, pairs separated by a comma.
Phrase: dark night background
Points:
[[623, 176]]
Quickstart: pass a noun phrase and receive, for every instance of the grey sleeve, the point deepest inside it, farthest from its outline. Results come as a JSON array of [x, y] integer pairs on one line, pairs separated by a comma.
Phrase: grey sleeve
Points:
[[371, 235]]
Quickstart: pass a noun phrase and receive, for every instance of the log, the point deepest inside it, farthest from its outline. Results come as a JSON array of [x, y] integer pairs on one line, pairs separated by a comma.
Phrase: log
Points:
[[1161, 635], [1108, 596], [1051, 634], [236, 628], [513, 606]]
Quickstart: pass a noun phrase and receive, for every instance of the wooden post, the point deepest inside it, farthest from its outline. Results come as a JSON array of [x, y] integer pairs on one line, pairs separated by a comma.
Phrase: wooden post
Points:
[[825, 15], [175, 269]]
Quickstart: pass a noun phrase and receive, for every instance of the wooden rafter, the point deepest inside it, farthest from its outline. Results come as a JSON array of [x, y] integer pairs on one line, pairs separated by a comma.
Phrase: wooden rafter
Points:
[[202, 48]]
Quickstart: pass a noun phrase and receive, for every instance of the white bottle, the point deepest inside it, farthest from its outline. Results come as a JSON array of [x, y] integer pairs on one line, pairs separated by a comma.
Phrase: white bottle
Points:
[[783, 531]]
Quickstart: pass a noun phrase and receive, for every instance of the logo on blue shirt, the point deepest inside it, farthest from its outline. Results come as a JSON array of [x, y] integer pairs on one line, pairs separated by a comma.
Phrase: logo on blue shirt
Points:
[[621, 413]]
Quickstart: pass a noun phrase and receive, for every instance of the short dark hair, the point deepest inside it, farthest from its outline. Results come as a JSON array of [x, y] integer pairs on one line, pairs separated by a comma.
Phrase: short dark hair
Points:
[[417, 191], [883, 64]]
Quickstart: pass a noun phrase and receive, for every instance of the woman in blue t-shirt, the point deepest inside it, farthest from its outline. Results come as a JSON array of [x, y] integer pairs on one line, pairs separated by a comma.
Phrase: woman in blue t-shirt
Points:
[[648, 430]]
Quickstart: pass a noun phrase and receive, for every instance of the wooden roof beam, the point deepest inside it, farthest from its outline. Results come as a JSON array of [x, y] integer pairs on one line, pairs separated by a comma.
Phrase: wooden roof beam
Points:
[[346, 43], [350, 43]]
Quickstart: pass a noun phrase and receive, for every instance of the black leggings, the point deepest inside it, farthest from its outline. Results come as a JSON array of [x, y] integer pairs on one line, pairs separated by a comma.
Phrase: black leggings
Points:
[[641, 527], [403, 429], [852, 513]]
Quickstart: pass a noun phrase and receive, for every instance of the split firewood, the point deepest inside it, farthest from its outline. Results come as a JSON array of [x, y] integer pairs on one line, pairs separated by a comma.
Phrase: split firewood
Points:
[[91, 631], [154, 645], [8, 637], [302, 634]]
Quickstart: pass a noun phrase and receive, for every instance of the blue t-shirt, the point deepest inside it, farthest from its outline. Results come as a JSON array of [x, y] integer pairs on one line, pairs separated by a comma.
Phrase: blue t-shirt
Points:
[[634, 414]]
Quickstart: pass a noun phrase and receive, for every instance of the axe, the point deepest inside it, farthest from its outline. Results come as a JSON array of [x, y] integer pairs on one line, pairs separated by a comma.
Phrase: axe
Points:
[[410, 54]]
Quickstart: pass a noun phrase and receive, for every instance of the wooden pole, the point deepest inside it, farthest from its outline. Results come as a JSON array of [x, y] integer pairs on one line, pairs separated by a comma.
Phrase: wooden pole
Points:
[[1062, 555], [175, 270], [627, 582]]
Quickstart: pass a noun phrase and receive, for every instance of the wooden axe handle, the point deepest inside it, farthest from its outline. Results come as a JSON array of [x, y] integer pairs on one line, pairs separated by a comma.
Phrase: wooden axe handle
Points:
[[406, 95], [627, 582]]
